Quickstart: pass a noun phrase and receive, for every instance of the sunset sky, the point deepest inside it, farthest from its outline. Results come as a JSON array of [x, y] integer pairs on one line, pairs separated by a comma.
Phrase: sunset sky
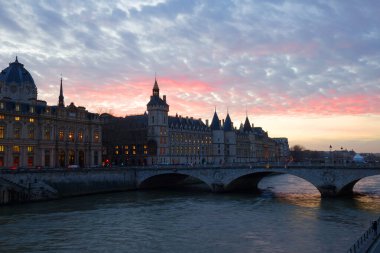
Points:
[[306, 70]]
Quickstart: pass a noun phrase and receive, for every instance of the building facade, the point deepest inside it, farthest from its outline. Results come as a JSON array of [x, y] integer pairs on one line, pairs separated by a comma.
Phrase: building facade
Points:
[[157, 138], [34, 134]]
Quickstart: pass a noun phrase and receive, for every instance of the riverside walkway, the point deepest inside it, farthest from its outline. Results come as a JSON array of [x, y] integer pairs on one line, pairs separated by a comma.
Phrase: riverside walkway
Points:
[[369, 242]]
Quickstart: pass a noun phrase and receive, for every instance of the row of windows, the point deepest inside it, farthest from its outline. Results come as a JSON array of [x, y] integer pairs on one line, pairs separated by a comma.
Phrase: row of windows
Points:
[[17, 107], [17, 149], [17, 132], [16, 118]]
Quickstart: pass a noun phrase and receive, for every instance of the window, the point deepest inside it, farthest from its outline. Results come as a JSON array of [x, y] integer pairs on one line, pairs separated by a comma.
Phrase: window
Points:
[[31, 120], [61, 135], [1, 105], [2, 148], [30, 149], [96, 137], [17, 118], [17, 132], [31, 110], [17, 108], [30, 161], [80, 136], [31, 133], [16, 149], [2, 117], [71, 136], [2, 132], [47, 133]]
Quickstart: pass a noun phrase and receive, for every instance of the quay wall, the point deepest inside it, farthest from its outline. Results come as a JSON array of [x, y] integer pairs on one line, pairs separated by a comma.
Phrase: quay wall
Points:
[[19, 186]]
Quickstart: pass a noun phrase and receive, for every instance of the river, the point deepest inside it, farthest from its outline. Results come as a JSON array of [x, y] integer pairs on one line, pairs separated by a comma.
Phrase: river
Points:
[[288, 216]]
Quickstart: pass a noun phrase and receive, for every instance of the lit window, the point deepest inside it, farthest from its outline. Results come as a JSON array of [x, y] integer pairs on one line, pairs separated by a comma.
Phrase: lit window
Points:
[[31, 109], [1, 105], [133, 147], [1, 148], [71, 136], [61, 135], [17, 118], [126, 152], [16, 149], [80, 136], [2, 132], [134, 152], [17, 108], [96, 137], [30, 161], [30, 149], [31, 120], [2, 116]]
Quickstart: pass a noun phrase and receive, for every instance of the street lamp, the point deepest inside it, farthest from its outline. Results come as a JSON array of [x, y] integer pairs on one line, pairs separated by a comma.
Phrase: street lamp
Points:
[[330, 154]]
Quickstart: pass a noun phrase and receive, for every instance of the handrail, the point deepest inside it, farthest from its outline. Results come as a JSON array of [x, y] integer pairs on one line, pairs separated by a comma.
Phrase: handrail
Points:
[[365, 241]]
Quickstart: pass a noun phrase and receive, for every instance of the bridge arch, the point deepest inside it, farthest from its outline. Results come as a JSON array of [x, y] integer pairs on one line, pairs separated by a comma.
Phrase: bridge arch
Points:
[[250, 181], [169, 179]]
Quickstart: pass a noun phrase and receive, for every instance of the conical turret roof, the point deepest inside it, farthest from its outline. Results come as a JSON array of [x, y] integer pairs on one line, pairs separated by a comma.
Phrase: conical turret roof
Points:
[[215, 124]]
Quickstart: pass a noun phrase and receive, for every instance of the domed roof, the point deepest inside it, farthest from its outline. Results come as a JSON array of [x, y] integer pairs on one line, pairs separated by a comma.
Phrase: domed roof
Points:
[[17, 83], [16, 73]]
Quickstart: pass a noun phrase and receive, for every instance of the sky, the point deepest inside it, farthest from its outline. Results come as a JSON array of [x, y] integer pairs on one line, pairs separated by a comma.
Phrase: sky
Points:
[[305, 70]]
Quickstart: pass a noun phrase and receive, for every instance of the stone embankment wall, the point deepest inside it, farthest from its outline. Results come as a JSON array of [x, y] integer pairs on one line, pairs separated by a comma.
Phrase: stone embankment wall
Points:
[[25, 186]]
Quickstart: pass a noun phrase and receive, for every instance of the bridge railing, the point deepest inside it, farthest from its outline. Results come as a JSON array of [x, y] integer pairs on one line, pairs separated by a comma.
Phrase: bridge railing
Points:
[[365, 241]]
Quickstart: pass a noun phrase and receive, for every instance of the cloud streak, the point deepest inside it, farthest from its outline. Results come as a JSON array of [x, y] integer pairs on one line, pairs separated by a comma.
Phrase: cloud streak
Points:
[[263, 57]]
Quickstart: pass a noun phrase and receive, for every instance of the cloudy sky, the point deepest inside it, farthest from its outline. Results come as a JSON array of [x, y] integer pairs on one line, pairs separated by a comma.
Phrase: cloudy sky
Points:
[[307, 70]]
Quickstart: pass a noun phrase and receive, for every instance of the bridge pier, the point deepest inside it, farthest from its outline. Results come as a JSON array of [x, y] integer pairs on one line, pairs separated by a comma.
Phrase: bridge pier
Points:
[[328, 191], [217, 187]]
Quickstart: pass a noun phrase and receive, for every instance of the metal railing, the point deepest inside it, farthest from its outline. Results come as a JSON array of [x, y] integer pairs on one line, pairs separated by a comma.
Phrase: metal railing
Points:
[[365, 241]]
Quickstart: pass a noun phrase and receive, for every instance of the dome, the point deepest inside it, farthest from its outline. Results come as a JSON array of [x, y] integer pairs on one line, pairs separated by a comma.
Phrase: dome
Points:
[[17, 83]]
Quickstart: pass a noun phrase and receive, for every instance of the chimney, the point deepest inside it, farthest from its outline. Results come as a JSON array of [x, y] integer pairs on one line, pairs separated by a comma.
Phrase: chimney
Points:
[[164, 97], [223, 121], [206, 122]]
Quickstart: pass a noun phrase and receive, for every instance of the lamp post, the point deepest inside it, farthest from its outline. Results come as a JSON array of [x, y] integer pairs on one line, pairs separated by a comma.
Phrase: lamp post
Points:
[[330, 154]]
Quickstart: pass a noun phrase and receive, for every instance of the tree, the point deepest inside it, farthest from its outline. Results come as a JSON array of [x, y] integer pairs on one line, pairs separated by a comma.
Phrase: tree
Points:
[[297, 152]]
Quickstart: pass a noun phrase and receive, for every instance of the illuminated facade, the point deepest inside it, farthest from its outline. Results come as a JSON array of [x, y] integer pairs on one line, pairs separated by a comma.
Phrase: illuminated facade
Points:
[[157, 138], [34, 134]]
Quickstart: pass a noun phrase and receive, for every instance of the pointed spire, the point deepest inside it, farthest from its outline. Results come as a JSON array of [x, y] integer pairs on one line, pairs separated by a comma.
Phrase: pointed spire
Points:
[[61, 98], [215, 123], [16, 59], [228, 124], [156, 90], [247, 125]]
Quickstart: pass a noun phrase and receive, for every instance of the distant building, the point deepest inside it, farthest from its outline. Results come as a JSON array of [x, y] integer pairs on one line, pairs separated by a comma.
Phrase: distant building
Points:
[[157, 138], [35, 134]]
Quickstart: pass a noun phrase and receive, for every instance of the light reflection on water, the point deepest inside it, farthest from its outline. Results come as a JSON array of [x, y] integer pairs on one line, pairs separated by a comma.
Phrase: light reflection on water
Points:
[[288, 216]]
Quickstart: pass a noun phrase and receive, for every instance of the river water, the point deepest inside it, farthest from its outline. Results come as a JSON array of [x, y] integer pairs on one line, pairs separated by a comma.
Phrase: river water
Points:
[[288, 216]]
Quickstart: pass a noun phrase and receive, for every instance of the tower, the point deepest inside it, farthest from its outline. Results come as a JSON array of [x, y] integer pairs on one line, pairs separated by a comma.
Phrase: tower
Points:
[[249, 131], [158, 128], [229, 140], [217, 140]]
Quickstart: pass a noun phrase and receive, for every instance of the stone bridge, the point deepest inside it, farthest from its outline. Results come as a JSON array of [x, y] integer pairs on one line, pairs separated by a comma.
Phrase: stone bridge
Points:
[[30, 185], [330, 181]]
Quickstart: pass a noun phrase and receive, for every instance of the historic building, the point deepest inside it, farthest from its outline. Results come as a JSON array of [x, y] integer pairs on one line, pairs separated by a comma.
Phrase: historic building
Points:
[[157, 138], [34, 134]]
